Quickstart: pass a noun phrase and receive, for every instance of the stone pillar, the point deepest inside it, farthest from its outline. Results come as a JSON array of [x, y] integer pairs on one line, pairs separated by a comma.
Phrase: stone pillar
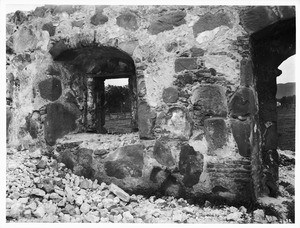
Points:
[[133, 100], [267, 88], [99, 102]]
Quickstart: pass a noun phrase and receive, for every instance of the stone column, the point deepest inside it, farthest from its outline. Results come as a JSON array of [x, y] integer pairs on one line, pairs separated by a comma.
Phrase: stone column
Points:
[[133, 100], [99, 103]]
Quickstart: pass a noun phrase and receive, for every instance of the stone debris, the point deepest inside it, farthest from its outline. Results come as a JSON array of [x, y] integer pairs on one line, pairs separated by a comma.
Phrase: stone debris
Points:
[[119, 192], [57, 195]]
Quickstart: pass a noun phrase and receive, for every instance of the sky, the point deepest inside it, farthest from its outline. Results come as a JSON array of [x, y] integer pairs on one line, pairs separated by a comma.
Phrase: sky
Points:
[[287, 67]]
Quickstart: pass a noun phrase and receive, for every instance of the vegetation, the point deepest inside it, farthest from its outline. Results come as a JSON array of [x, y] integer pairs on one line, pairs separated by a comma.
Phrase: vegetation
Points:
[[117, 99]]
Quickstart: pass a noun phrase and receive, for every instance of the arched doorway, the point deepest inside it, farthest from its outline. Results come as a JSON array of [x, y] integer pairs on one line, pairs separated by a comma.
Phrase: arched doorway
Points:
[[270, 47], [97, 64]]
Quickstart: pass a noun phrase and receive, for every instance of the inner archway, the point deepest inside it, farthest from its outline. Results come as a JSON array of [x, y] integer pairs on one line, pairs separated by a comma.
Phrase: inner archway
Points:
[[270, 47], [97, 64]]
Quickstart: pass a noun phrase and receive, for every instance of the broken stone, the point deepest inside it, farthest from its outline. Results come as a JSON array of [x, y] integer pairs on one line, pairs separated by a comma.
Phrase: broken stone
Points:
[[92, 216], [257, 18], [210, 21], [42, 164], [243, 103], [50, 28], [126, 161], [178, 124], [216, 133], [235, 216], [24, 40], [48, 185], [190, 165], [246, 72], [146, 120], [27, 213], [119, 192], [85, 208], [210, 100], [85, 184], [197, 52], [163, 154], [36, 154], [58, 48], [241, 132], [79, 200], [167, 22], [69, 209], [38, 192], [127, 21], [78, 24], [18, 18], [185, 64], [98, 18], [128, 216], [170, 95], [59, 121], [39, 212], [259, 215], [50, 89], [16, 210]]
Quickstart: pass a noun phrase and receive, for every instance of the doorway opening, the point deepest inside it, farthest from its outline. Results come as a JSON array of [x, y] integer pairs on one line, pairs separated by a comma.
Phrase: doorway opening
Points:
[[270, 47], [117, 106], [286, 105], [91, 71]]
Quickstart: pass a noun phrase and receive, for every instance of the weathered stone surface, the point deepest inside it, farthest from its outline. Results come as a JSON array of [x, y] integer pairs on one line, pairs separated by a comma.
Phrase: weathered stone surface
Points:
[[58, 48], [125, 161], [40, 11], [69, 9], [210, 21], [146, 120], [38, 192], [171, 46], [158, 175], [246, 72], [241, 131], [167, 22], [127, 21], [24, 40], [190, 165], [257, 18], [197, 52], [18, 18], [208, 100], [163, 154], [177, 124], [50, 28], [84, 163], [170, 95], [59, 121], [8, 120], [50, 89], [243, 103], [216, 133], [129, 46], [48, 184], [98, 18], [185, 64], [120, 193], [78, 24], [286, 12]]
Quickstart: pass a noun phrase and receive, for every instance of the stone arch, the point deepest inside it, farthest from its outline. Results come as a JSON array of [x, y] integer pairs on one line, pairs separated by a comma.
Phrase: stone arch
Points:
[[96, 63], [270, 46]]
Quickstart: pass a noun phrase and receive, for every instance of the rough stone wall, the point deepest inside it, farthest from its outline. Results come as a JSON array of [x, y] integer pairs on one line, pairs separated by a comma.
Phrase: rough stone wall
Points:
[[197, 105]]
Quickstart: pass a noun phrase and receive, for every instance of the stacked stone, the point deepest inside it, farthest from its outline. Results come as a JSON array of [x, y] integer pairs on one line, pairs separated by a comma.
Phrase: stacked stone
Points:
[[40, 189]]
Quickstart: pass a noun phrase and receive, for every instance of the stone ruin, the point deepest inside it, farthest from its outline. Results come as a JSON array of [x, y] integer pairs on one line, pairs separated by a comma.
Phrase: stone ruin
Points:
[[202, 83]]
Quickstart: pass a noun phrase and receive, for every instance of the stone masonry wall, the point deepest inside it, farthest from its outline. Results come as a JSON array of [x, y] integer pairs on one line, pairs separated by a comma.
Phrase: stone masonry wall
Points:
[[197, 105]]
